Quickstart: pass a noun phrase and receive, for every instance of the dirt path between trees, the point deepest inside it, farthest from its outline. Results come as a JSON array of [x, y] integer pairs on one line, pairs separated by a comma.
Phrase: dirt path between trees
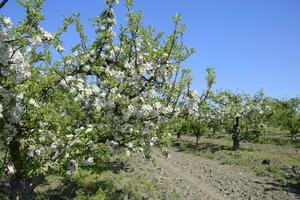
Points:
[[194, 184], [198, 178]]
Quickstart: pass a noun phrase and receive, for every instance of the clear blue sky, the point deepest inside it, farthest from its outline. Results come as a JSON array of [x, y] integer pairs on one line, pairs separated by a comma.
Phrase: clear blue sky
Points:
[[251, 44]]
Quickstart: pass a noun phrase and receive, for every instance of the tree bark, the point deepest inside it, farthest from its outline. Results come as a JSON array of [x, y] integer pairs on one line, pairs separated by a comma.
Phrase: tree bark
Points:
[[235, 135], [2, 4], [293, 136], [197, 139], [20, 189], [178, 136], [214, 132], [21, 186]]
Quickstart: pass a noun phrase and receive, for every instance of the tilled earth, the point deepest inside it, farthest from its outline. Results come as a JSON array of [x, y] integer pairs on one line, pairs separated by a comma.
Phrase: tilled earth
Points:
[[194, 177]]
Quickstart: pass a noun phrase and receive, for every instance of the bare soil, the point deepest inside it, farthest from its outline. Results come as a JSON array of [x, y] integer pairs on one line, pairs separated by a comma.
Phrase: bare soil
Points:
[[194, 177]]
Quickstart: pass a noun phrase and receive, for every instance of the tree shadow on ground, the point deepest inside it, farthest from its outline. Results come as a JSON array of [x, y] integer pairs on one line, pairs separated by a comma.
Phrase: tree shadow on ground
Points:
[[87, 185], [290, 188], [205, 146], [201, 147], [115, 166], [71, 189]]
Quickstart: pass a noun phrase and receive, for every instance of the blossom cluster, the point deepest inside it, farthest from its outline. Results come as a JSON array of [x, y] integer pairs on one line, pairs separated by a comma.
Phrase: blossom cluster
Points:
[[104, 98], [226, 107]]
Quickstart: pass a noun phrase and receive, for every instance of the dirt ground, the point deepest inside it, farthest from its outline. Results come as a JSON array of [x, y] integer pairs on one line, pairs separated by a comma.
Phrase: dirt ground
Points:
[[194, 177]]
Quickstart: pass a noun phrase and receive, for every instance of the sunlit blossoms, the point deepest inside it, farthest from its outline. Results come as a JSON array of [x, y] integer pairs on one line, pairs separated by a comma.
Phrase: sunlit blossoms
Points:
[[7, 22], [239, 113], [46, 35], [14, 65], [110, 96]]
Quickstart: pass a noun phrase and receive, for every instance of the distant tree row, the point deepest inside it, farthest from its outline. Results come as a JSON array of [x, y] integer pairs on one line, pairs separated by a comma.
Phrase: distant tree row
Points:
[[243, 116]]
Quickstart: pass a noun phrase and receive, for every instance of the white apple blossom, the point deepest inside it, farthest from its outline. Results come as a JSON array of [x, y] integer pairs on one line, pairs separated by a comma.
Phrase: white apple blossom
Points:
[[146, 108], [129, 145], [114, 143], [60, 48], [33, 103], [54, 145], [72, 167], [46, 34], [88, 161], [91, 143], [157, 105], [167, 109], [37, 40], [7, 22], [127, 152], [38, 152]]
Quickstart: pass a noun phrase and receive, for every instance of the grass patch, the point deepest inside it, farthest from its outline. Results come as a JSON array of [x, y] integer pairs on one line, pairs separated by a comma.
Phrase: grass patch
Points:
[[125, 184], [88, 185], [115, 179], [277, 138], [82, 185], [281, 162], [279, 141]]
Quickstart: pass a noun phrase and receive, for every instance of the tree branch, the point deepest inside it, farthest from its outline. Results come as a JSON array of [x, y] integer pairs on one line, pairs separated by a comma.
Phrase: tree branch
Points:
[[2, 4]]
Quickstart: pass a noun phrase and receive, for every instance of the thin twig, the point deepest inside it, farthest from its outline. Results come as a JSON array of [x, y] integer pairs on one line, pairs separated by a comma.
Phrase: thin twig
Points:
[[3, 3]]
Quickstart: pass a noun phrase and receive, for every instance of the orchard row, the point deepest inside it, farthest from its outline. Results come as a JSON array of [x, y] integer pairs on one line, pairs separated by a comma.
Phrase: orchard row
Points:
[[115, 94]]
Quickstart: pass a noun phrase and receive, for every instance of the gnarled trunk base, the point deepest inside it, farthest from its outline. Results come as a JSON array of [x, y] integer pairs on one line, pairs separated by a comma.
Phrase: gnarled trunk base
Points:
[[21, 190], [197, 140], [293, 136], [178, 136], [235, 135], [235, 141]]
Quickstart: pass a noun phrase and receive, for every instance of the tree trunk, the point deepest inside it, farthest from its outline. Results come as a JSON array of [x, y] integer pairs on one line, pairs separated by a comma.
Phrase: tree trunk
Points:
[[214, 132], [21, 189], [293, 136], [236, 141], [197, 139], [235, 135], [178, 136], [2, 4], [21, 186]]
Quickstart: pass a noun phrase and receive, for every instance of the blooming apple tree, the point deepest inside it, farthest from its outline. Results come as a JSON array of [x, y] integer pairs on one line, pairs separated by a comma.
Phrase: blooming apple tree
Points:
[[37, 114], [195, 112], [107, 96], [239, 113]]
